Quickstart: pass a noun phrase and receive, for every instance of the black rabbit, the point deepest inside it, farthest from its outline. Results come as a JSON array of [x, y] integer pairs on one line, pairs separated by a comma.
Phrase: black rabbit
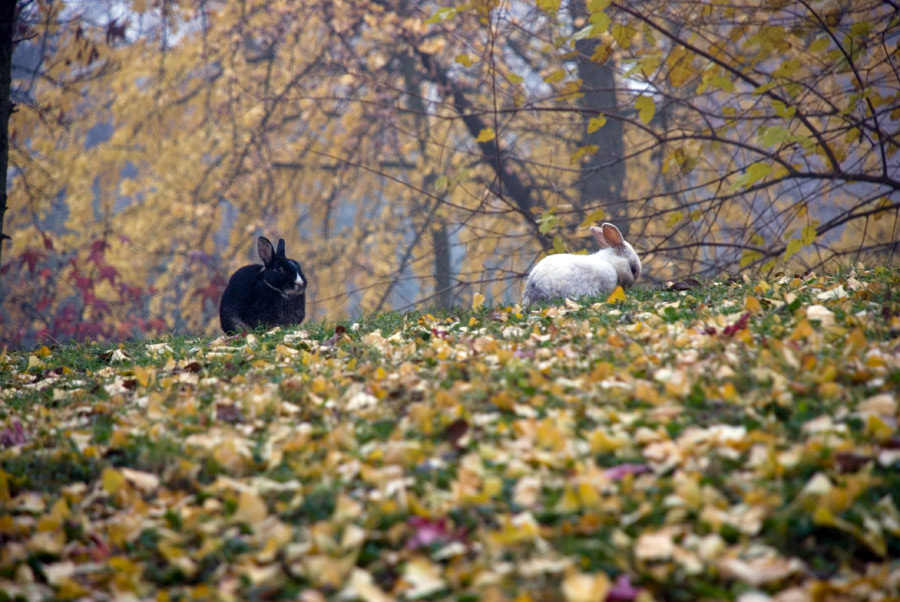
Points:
[[272, 294]]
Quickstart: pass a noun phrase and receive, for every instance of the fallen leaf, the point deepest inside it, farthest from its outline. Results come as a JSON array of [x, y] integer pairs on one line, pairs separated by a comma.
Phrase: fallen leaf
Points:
[[57, 572], [622, 590], [883, 404], [363, 586], [760, 571], [251, 509], [113, 480], [737, 326], [683, 285], [585, 587], [821, 314], [422, 578], [144, 481], [477, 301], [455, 431], [654, 546], [617, 296], [836, 293], [13, 435]]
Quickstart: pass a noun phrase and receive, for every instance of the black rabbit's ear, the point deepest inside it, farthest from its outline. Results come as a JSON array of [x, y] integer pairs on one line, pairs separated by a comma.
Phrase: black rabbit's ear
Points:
[[280, 251], [266, 250]]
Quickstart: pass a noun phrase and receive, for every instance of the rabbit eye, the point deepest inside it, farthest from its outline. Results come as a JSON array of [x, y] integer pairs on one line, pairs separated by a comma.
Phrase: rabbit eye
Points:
[[279, 269]]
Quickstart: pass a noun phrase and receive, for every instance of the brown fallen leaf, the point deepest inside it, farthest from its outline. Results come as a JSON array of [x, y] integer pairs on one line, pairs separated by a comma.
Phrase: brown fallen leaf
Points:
[[683, 285]]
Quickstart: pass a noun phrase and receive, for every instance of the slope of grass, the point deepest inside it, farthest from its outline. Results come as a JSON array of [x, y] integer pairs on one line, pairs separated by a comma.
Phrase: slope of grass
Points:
[[712, 443]]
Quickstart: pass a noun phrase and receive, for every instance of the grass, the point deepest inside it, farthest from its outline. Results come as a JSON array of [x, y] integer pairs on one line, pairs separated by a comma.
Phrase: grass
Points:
[[702, 444]]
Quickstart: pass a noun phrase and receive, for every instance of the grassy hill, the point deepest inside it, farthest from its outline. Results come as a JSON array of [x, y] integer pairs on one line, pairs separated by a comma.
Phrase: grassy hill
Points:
[[720, 442]]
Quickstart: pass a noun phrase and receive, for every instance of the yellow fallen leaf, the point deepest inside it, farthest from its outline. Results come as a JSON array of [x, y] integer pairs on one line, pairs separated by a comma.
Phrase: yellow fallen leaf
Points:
[[856, 341], [477, 301], [143, 375], [617, 296], [125, 565], [251, 509], [802, 331], [112, 480], [4, 488], [177, 556], [69, 589], [878, 429], [823, 516], [752, 304], [584, 587]]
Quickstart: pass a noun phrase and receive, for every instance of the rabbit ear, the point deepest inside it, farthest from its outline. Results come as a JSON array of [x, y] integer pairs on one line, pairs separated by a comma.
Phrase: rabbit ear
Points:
[[280, 251], [612, 235], [599, 237], [266, 250]]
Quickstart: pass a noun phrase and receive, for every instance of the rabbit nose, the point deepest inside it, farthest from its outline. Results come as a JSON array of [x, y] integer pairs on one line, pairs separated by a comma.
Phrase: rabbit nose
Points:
[[299, 281]]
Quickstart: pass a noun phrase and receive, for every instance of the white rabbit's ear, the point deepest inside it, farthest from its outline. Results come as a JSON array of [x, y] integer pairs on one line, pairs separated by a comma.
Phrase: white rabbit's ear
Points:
[[599, 237], [266, 250], [280, 251], [612, 235]]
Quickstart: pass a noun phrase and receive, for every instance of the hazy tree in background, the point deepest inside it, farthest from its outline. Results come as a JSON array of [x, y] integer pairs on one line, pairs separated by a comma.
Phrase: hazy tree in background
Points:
[[7, 27]]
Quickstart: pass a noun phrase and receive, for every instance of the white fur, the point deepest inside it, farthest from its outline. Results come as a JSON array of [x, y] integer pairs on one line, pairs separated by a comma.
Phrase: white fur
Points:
[[566, 275]]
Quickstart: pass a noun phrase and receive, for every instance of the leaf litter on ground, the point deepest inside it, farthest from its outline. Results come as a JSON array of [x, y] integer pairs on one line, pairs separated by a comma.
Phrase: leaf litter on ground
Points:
[[705, 441]]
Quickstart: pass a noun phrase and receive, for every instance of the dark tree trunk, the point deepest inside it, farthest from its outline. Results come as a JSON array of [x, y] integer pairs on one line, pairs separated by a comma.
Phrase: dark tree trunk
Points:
[[603, 179], [443, 273], [7, 25]]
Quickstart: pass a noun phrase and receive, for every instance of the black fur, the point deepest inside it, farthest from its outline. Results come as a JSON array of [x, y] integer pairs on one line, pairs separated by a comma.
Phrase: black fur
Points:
[[264, 295]]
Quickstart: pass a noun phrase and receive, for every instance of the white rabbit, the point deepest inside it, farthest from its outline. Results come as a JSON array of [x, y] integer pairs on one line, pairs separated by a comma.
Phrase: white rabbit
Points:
[[566, 275]]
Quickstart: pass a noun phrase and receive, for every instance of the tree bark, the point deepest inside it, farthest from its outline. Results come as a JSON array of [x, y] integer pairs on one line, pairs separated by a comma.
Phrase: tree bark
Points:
[[7, 25], [443, 276], [443, 269], [603, 178]]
